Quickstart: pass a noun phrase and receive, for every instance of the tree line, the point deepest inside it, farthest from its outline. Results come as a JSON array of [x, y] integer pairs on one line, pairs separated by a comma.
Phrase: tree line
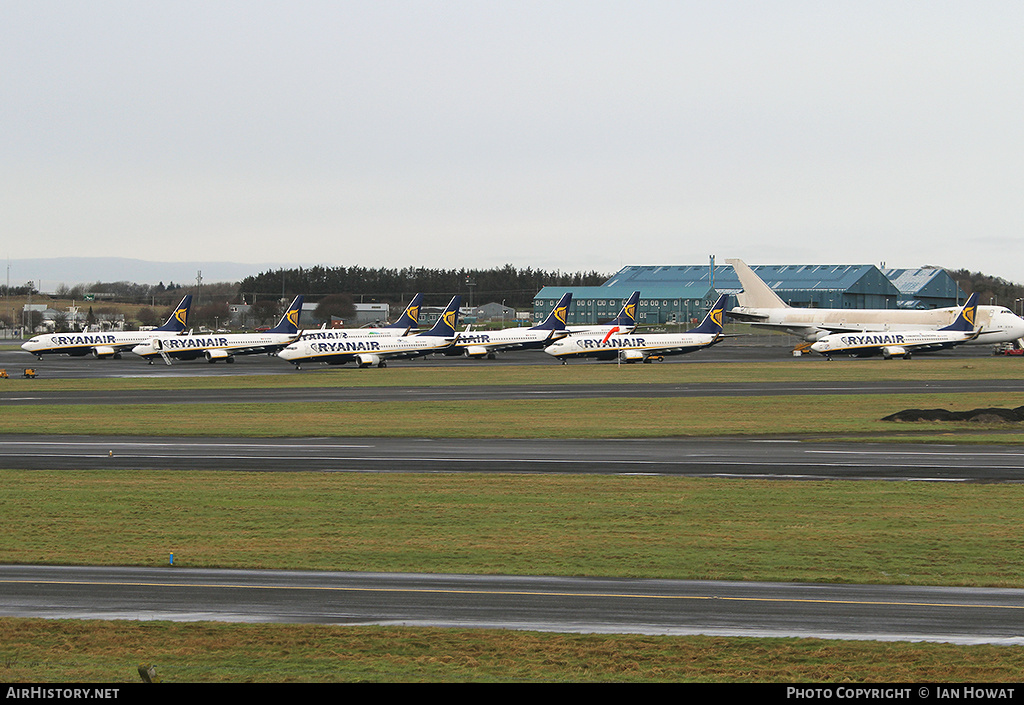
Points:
[[516, 287], [989, 289]]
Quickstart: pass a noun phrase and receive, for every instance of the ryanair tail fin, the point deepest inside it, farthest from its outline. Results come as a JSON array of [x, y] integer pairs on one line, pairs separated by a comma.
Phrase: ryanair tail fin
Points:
[[556, 319], [289, 323], [626, 320], [177, 321], [968, 315], [410, 318], [712, 323], [445, 326], [756, 294]]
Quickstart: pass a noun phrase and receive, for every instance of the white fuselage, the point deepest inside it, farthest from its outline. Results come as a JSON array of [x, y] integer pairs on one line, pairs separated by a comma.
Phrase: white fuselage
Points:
[[998, 324], [212, 346], [365, 351], [78, 344], [630, 347], [351, 333], [485, 343], [889, 343]]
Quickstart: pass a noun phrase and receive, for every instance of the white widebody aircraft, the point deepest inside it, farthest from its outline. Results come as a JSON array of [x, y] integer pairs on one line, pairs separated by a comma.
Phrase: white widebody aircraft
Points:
[[104, 345], [901, 343], [408, 321], [760, 306], [637, 347], [489, 343], [224, 346], [376, 351]]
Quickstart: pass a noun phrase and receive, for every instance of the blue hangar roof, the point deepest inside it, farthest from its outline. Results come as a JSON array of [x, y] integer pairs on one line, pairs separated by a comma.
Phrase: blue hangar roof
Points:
[[785, 277]]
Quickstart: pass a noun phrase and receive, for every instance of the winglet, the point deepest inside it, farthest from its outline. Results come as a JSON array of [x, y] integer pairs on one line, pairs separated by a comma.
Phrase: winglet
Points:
[[965, 320], [445, 326], [410, 318], [289, 323], [177, 320], [556, 319], [712, 323]]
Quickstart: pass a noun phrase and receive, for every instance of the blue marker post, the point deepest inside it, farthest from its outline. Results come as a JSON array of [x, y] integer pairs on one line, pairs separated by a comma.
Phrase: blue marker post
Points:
[[172, 558]]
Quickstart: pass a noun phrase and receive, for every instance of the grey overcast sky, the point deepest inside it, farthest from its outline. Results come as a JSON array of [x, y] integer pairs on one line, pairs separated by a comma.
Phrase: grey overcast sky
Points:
[[560, 134]]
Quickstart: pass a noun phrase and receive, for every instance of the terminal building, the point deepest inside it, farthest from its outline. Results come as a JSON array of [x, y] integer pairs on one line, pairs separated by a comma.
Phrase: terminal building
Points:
[[682, 294]]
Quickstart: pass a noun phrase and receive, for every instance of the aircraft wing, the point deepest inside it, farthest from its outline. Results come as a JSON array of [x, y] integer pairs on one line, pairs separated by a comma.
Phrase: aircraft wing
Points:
[[847, 329], [256, 349], [746, 317]]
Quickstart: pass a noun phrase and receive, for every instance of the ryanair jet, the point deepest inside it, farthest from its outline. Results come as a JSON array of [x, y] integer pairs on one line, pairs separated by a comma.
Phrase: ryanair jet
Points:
[[217, 346], [901, 343], [487, 344], [637, 347], [104, 345], [377, 351], [409, 321], [762, 307]]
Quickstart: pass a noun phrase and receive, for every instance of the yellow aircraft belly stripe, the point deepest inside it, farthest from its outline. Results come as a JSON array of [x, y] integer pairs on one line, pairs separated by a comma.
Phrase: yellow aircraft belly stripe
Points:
[[527, 593]]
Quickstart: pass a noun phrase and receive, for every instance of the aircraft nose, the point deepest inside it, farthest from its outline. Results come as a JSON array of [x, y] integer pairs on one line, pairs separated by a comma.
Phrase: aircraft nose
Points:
[[818, 347]]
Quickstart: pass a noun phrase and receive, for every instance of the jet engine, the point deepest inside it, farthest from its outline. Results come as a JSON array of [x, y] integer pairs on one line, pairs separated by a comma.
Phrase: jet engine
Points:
[[891, 351], [101, 351], [366, 360], [214, 355]]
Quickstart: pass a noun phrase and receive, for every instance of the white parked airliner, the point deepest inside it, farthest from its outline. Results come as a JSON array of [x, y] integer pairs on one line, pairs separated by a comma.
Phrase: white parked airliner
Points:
[[105, 345], [224, 346], [902, 343], [760, 306], [376, 351], [638, 347], [488, 343]]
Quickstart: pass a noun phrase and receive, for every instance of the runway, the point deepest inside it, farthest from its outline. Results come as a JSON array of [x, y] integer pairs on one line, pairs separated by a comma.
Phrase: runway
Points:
[[524, 602], [576, 605], [777, 458]]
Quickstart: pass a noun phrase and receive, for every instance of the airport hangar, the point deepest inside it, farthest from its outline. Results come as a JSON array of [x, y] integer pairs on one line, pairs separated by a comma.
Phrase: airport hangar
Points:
[[682, 294]]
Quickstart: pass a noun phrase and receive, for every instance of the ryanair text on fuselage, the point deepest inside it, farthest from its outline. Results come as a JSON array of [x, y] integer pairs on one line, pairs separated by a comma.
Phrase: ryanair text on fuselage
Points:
[[349, 346], [876, 339], [84, 339], [189, 342], [340, 334], [612, 342]]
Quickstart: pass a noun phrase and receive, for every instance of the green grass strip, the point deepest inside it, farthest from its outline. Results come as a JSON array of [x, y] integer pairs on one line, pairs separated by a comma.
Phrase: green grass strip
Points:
[[592, 418], [645, 527], [41, 651]]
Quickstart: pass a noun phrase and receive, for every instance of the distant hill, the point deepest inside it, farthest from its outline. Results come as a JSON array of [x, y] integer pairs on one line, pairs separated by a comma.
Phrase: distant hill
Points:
[[49, 273]]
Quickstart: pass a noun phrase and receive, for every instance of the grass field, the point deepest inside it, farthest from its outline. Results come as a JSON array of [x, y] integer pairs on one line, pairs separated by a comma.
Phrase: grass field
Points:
[[639, 526], [38, 651], [849, 416]]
